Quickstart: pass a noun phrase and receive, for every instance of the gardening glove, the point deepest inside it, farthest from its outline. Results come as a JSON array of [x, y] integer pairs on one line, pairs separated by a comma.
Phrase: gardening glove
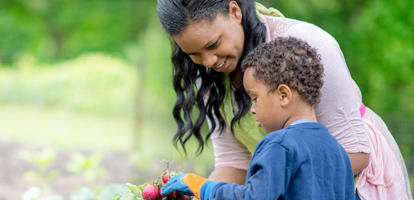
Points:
[[189, 184]]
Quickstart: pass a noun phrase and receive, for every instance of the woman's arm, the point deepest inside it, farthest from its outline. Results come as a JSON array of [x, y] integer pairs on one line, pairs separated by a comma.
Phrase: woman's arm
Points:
[[231, 158], [358, 161], [229, 175], [340, 101]]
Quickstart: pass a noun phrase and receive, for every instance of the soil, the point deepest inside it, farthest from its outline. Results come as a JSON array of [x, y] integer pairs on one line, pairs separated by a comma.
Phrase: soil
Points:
[[12, 170]]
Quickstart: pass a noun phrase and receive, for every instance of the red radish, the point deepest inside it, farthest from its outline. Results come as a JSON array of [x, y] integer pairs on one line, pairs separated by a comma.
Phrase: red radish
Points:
[[173, 194], [162, 196], [150, 192], [165, 178], [185, 197], [178, 195], [182, 197]]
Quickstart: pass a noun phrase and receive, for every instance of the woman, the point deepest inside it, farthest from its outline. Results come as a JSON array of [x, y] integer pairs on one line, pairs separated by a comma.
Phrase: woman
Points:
[[211, 37]]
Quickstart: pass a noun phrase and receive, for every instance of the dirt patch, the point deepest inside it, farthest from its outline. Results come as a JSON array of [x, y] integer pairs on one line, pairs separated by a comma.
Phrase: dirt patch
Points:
[[12, 170]]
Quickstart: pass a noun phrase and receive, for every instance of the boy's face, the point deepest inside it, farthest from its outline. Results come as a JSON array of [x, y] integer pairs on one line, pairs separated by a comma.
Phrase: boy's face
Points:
[[266, 105]]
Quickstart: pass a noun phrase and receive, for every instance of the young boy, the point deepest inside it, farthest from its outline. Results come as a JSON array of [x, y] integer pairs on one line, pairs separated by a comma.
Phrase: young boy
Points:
[[298, 159]]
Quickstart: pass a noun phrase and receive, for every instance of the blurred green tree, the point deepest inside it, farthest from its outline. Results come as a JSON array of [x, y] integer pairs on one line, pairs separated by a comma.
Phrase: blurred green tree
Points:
[[377, 41], [61, 29]]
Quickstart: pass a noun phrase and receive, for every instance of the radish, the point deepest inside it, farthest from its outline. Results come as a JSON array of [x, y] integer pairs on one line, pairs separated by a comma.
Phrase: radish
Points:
[[159, 191], [165, 178], [150, 192], [185, 197], [172, 195], [180, 196]]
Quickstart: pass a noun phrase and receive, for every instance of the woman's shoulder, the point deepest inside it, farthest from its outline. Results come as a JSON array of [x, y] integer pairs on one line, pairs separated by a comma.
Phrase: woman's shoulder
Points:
[[283, 27]]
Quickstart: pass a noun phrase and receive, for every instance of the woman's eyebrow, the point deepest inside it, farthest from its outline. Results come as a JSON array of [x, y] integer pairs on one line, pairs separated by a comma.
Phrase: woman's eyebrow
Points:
[[208, 44], [205, 46]]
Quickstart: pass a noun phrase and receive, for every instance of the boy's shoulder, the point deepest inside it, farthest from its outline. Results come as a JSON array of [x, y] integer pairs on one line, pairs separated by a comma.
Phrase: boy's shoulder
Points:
[[308, 133], [296, 130]]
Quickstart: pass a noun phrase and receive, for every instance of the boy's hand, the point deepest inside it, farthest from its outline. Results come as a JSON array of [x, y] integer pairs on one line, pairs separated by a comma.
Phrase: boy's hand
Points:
[[186, 184]]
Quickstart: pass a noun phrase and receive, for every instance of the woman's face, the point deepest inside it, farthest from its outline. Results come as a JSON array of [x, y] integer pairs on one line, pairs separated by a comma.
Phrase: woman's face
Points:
[[217, 44]]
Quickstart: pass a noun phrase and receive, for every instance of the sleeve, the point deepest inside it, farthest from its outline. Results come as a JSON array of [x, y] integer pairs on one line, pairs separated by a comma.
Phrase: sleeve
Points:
[[269, 178], [340, 102]]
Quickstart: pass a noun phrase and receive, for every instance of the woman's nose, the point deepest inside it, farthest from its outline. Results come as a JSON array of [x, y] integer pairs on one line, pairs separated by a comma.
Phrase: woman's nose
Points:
[[209, 60]]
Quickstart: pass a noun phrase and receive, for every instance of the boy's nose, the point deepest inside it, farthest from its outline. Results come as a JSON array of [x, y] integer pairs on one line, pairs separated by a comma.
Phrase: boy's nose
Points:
[[253, 110]]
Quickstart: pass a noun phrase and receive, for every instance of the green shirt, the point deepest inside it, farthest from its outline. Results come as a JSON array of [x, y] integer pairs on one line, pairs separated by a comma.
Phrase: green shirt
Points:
[[247, 131]]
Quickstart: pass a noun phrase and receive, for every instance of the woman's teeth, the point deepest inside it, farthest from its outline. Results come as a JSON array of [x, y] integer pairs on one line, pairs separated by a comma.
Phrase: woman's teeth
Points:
[[221, 65]]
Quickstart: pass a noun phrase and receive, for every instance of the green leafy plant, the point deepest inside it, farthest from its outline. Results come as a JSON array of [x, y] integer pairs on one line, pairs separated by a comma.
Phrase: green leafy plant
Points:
[[150, 190], [107, 193], [88, 167], [41, 160]]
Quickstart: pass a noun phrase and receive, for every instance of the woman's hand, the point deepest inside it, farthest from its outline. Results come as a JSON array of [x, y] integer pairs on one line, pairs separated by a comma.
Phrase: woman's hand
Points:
[[358, 161]]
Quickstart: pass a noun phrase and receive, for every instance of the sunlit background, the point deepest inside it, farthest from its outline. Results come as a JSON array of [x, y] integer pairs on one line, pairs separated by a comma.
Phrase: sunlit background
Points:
[[86, 94]]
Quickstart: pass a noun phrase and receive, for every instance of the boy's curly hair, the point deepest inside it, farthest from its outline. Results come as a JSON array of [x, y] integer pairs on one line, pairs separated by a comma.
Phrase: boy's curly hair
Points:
[[289, 61]]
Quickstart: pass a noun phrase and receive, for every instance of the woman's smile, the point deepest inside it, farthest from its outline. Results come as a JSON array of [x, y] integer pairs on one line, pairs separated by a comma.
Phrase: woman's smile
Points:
[[222, 66]]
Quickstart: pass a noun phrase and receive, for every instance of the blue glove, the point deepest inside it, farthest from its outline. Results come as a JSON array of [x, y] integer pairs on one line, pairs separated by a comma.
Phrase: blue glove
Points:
[[189, 184], [176, 183]]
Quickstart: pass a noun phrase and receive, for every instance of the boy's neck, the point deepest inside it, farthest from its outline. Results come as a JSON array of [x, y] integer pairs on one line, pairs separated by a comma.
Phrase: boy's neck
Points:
[[300, 117], [301, 110]]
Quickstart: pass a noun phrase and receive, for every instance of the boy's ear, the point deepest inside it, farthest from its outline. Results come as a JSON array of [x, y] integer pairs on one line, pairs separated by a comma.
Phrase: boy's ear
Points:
[[285, 94]]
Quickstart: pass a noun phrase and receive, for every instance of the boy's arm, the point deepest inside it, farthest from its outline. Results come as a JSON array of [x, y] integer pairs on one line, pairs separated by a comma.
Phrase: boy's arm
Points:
[[269, 179], [268, 176]]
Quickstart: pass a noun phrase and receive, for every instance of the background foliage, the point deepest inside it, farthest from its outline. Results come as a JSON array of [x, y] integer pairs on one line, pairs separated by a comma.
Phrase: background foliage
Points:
[[375, 36]]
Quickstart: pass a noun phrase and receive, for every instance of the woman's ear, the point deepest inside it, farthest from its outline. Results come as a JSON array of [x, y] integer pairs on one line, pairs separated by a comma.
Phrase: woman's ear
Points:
[[285, 94], [235, 11]]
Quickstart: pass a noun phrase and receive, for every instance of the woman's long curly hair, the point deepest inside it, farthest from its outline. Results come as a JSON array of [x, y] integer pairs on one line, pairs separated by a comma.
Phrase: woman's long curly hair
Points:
[[193, 82]]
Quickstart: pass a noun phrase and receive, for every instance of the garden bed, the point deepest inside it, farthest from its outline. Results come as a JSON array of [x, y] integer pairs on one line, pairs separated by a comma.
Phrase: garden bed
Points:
[[12, 171]]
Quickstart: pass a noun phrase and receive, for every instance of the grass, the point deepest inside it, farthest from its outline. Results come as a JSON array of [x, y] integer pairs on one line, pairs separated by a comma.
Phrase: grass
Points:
[[61, 129], [89, 103]]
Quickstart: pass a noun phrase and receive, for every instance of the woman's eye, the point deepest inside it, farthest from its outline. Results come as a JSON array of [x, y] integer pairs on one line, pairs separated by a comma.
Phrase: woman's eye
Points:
[[213, 45]]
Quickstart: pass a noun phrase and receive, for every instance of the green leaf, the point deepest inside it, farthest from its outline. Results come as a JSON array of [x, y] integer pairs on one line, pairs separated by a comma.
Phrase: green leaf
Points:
[[83, 194], [40, 159], [32, 175], [136, 190], [112, 191], [127, 196]]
